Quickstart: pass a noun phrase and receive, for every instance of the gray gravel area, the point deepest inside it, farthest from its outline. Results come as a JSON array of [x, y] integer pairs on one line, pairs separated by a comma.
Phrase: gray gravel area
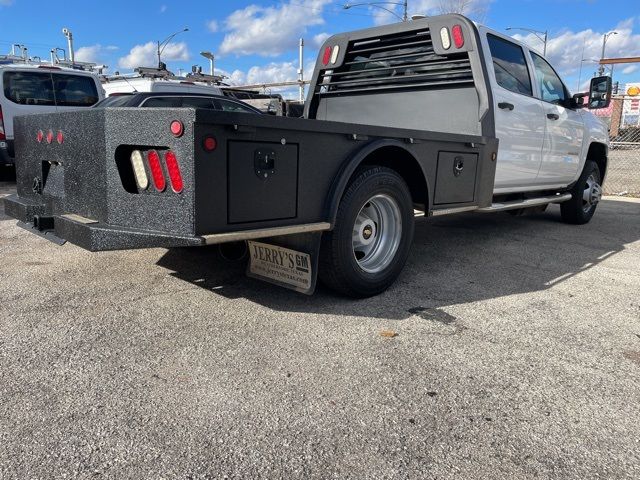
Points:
[[517, 355]]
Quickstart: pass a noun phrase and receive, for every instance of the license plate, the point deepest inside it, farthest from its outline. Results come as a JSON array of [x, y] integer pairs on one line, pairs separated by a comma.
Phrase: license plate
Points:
[[279, 265]]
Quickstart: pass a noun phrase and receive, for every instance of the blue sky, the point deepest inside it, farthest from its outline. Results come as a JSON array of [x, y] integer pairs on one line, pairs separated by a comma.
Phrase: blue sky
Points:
[[256, 41]]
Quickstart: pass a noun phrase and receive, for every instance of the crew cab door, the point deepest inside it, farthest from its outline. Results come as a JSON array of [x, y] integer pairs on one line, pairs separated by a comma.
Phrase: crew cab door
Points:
[[519, 116], [564, 127]]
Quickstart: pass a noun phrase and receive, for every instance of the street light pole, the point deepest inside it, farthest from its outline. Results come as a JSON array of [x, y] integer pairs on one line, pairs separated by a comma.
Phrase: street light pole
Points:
[[605, 37], [162, 45], [538, 34], [404, 5], [211, 57]]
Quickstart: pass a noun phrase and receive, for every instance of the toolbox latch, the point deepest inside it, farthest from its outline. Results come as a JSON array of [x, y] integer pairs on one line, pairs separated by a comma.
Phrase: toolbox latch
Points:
[[264, 162]]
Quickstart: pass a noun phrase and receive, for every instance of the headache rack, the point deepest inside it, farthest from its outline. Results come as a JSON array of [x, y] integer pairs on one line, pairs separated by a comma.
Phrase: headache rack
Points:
[[396, 61]]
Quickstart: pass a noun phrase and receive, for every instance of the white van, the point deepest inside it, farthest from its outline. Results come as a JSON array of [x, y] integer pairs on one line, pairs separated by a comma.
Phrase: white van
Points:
[[143, 84], [27, 88]]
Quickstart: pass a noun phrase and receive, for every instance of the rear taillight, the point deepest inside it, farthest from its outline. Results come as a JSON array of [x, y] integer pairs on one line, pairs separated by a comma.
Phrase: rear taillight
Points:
[[177, 128], [174, 171], [137, 163], [326, 56], [209, 144], [2, 134], [458, 37], [156, 171]]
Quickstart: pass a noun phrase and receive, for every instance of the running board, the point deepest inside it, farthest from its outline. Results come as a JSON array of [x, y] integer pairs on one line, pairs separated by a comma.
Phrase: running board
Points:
[[526, 203]]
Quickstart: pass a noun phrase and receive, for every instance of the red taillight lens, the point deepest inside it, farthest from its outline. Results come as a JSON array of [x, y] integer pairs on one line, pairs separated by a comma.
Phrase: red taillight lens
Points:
[[174, 171], [156, 170], [326, 56], [458, 37], [39, 136], [50, 136], [209, 144], [2, 135], [60, 137], [177, 129]]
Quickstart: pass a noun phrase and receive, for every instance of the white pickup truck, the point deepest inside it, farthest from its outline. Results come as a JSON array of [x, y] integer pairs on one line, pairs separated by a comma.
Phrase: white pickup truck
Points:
[[438, 115]]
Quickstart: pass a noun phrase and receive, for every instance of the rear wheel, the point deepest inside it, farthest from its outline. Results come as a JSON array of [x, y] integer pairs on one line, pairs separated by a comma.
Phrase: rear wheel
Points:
[[585, 196], [369, 245]]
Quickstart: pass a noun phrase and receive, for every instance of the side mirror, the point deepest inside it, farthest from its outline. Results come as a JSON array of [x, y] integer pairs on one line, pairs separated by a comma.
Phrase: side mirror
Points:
[[600, 93], [578, 100]]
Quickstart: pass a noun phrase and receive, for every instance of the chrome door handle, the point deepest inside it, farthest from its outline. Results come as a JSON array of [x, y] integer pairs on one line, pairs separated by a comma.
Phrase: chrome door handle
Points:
[[553, 116]]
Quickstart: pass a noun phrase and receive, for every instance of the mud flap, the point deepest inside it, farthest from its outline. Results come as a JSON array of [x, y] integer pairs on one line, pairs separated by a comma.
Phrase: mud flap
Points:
[[289, 261]]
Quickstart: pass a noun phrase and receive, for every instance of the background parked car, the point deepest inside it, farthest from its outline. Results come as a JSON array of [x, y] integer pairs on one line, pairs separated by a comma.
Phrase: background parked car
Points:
[[176, 100]]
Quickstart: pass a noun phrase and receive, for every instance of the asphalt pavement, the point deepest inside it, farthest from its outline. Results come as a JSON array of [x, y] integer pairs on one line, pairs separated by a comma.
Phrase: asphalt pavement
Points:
[[509, 348]]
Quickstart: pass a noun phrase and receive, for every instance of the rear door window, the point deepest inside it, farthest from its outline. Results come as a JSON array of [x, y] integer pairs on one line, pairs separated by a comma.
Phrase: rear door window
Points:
[[509, 65], [46, 89], [199, 102], [162, 102], [29, 88], [229, 106], [74, 90]]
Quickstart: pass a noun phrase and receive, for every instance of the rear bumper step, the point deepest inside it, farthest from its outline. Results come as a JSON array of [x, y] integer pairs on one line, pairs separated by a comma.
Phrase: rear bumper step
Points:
[[526, 203]]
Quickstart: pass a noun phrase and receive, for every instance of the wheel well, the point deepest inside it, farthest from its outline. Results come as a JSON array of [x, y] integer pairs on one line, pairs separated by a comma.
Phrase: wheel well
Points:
[[408, 168], [598, 153]]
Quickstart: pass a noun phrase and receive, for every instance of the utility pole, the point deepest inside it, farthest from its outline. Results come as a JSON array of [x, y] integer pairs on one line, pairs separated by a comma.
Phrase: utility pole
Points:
[[301, 71], [605, 37]]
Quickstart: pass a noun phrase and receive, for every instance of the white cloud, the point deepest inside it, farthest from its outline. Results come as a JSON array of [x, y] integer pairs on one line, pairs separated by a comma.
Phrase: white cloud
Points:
[[566, 50], [319, 39], [212, 26], [94, 53], [630, 69], [145, 55], [270, 31]]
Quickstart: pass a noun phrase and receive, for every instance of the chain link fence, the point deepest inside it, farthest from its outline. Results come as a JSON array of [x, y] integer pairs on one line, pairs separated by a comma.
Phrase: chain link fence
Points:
[[623, 172]]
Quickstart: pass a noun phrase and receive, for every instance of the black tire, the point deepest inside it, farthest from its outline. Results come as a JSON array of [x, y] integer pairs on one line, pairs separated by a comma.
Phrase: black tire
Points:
[[338, 267], [579, 211]]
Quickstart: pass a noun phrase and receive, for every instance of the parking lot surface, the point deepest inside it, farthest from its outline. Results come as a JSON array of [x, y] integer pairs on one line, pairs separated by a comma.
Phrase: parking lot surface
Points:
[[516, 355]]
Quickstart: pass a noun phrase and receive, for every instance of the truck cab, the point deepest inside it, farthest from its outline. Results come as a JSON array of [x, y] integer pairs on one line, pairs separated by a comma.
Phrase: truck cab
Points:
[[545, 135]]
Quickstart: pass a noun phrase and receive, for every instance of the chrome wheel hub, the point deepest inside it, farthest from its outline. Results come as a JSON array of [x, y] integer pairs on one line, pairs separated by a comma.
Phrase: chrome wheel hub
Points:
[[377, 232], [592, 193]]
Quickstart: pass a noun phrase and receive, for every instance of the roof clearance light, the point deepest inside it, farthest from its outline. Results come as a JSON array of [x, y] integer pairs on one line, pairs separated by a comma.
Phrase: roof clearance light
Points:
[[138, 170], [177, 129], [334, 54], [50, 136], [174, 171], [445, 38], [60, 137], [209, 144], [326, 56], [39, 136], [156, 171], [458, 37]]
